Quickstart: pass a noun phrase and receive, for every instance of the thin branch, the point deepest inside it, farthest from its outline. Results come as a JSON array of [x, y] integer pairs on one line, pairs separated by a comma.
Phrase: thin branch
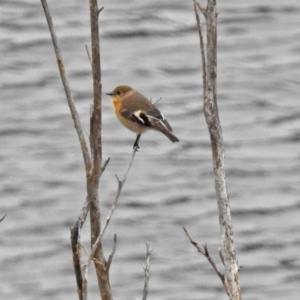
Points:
[[118, 193], [96, 119], [155, 101], [201, 43], [109, 261], [104, 166], [205, 252], [2, 218], [96, 150], [63, 75], [89, 55], [146, 270], [99, 11], [114, 204], [83, 214], [202, 9], [76, 250]]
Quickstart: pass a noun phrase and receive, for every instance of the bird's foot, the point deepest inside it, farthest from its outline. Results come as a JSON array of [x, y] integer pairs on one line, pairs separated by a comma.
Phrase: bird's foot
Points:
[[136, 146]]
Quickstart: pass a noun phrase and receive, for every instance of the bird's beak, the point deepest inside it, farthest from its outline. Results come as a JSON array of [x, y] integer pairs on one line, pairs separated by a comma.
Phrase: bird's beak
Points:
[[109, 94]]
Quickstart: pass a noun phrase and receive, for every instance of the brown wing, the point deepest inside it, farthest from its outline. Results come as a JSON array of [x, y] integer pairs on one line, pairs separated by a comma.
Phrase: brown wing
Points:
[[137, 107]]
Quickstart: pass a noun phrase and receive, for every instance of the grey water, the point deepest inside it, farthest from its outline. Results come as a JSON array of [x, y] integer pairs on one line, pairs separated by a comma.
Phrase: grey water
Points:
[[154, 47]]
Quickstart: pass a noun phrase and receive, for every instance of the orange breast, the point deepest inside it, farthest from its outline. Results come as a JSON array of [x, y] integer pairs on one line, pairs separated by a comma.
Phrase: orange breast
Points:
[[117, 104]]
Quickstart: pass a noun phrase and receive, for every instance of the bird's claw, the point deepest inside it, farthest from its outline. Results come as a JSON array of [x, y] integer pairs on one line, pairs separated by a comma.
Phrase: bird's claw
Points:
[[136, 147]]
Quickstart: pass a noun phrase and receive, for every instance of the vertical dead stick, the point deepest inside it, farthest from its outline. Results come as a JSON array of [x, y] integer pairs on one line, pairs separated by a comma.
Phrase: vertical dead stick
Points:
[[63, 75], [110, 258], [146, 270], [75, 231], [76, 251], [217, 145], [96, 150], [96, 119], [201, 43]]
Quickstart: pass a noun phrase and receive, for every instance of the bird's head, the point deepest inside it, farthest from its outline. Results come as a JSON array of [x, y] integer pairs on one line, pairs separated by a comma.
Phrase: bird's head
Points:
[[120, 91]]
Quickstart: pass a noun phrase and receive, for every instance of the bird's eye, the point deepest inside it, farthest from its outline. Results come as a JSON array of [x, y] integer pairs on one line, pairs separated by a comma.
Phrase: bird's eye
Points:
[[118, 93]]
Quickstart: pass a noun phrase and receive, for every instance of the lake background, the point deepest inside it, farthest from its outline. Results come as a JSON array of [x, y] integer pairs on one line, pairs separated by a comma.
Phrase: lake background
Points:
[[154, 47]]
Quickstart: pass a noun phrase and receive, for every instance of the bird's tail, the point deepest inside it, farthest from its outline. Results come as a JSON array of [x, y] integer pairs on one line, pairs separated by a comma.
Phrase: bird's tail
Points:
[[165, 131]]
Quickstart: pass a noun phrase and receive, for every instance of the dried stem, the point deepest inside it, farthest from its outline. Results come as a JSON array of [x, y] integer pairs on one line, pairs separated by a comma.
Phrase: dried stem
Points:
[[202, 9], [113, 207], [118, 193], [201, 42], [104, 166], [88, 54], [205, 252], [146, 270], [215, 131], [109, 261], [75, 231], [76, 250], [63, 75], [96, 150]]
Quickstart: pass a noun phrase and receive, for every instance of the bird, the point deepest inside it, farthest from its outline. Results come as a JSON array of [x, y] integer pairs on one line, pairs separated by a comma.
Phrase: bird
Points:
[[138, 113]]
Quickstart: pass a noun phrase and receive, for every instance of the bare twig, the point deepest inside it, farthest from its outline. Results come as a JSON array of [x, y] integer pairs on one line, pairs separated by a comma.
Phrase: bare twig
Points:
[[109, 261], [76, 250], [99, 11], [118, 193], [146, 270], [104, 166], [63, 75], [114, 204], [205, 252], [88, 54], [202, 9], [155, 101], [201, 44], [2, 218], [210, 108]]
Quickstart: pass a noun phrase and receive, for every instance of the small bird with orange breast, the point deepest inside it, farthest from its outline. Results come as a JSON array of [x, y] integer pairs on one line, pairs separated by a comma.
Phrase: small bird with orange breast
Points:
[[139, 114]]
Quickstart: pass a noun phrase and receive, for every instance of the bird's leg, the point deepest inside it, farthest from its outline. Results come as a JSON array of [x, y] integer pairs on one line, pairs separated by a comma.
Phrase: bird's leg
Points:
[[136, 143]]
